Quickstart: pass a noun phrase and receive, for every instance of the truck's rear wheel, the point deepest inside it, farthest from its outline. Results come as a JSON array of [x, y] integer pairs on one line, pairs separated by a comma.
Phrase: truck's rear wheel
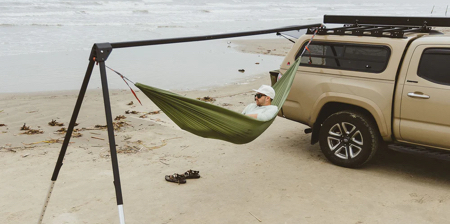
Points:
[[348, 139]]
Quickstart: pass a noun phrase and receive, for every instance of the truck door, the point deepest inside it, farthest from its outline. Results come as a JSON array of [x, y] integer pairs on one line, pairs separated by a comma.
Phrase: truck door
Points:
[[425, 103]]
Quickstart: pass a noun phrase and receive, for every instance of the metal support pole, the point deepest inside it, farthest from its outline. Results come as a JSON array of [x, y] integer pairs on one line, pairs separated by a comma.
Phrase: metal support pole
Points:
[[62, 153], [112, 142], [208, 37]]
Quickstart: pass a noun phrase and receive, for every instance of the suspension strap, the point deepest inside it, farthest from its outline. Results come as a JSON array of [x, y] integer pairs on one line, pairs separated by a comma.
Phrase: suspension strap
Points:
[[310, 60], [303, 52], [280, 34], [125, 80]]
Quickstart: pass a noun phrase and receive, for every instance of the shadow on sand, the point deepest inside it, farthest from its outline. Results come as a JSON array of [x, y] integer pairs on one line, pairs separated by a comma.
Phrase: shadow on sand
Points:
[[392, 163], [416, 166]]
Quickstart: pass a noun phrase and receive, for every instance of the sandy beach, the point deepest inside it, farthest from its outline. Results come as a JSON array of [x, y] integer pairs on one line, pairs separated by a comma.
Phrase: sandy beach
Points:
[[278, 178]]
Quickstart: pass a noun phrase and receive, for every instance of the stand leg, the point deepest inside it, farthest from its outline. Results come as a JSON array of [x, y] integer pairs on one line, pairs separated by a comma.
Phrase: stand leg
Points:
[[47, 199], [112, 142], [62, 153]]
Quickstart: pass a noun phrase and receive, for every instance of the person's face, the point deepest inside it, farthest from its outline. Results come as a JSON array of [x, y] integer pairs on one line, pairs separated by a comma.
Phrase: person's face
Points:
[[261, 99]]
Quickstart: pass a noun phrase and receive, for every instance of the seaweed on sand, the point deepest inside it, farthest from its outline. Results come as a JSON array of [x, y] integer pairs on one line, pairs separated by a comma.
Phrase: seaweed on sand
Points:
[[55, 123], [207, 99]]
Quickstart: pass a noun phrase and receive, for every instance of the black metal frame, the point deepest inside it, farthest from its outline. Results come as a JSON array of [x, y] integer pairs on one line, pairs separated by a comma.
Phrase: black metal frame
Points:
[[99, 54], [381, 26]]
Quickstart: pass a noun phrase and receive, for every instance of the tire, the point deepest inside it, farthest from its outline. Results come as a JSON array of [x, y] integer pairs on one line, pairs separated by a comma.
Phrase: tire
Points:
[[349, 138]]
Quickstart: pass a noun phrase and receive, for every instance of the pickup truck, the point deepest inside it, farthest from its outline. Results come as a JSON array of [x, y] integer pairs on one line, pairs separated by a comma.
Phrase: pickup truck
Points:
[[379, 81]]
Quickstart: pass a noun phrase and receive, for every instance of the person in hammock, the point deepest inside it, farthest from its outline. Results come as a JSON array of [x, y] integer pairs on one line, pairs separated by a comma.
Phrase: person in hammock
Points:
[[262, 108]]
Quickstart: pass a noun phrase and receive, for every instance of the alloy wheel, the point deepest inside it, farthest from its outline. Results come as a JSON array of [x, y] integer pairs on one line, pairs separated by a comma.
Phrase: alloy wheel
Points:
[[345, 140]]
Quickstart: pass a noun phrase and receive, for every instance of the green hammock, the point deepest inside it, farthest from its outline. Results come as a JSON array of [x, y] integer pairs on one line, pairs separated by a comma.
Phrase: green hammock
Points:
[[211, 121]]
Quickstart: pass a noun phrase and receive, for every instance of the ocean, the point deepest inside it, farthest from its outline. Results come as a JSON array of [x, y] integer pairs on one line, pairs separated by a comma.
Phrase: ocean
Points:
[[45, 44]]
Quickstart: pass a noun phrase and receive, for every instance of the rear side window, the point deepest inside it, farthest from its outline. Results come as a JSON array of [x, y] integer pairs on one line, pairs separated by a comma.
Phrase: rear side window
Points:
[[434, 65], [354, 57]]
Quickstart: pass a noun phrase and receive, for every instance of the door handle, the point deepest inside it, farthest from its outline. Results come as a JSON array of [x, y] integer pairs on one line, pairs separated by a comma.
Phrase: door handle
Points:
[[421, 96]]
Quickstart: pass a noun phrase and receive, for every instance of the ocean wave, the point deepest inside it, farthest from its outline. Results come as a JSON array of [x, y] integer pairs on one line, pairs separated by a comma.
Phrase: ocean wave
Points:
[[157, 1], [14, 3], [140, 11], [44, 24], [170, 26], [29, 24], [38, 14], [7, 24]]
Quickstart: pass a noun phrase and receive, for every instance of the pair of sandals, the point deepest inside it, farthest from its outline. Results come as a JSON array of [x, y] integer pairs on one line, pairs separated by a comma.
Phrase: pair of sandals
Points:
[[181, 178]]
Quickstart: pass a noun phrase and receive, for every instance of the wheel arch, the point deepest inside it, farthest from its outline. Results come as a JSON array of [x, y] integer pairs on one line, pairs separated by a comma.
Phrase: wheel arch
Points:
[[336, 104]]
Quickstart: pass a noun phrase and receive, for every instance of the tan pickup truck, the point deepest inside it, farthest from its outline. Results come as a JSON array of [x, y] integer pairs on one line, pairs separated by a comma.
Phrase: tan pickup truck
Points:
[[361, 86]]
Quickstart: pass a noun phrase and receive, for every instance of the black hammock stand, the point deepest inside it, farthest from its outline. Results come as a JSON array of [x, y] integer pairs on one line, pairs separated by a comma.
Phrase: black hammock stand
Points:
[[99, 54]]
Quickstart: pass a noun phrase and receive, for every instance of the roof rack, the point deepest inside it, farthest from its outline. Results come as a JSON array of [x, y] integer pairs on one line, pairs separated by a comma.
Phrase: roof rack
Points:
[[381, 26]]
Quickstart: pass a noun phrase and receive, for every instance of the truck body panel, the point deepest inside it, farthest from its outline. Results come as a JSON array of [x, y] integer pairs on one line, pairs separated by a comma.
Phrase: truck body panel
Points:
[[314, 87], [423, 106]]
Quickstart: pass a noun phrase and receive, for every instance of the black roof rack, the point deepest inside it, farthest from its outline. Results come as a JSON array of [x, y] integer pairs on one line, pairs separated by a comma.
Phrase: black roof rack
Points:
[[380, 26]]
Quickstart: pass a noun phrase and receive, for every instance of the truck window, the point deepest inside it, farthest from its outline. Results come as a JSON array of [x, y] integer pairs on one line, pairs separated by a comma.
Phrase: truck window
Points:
[[354, 57], [434, 65]]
